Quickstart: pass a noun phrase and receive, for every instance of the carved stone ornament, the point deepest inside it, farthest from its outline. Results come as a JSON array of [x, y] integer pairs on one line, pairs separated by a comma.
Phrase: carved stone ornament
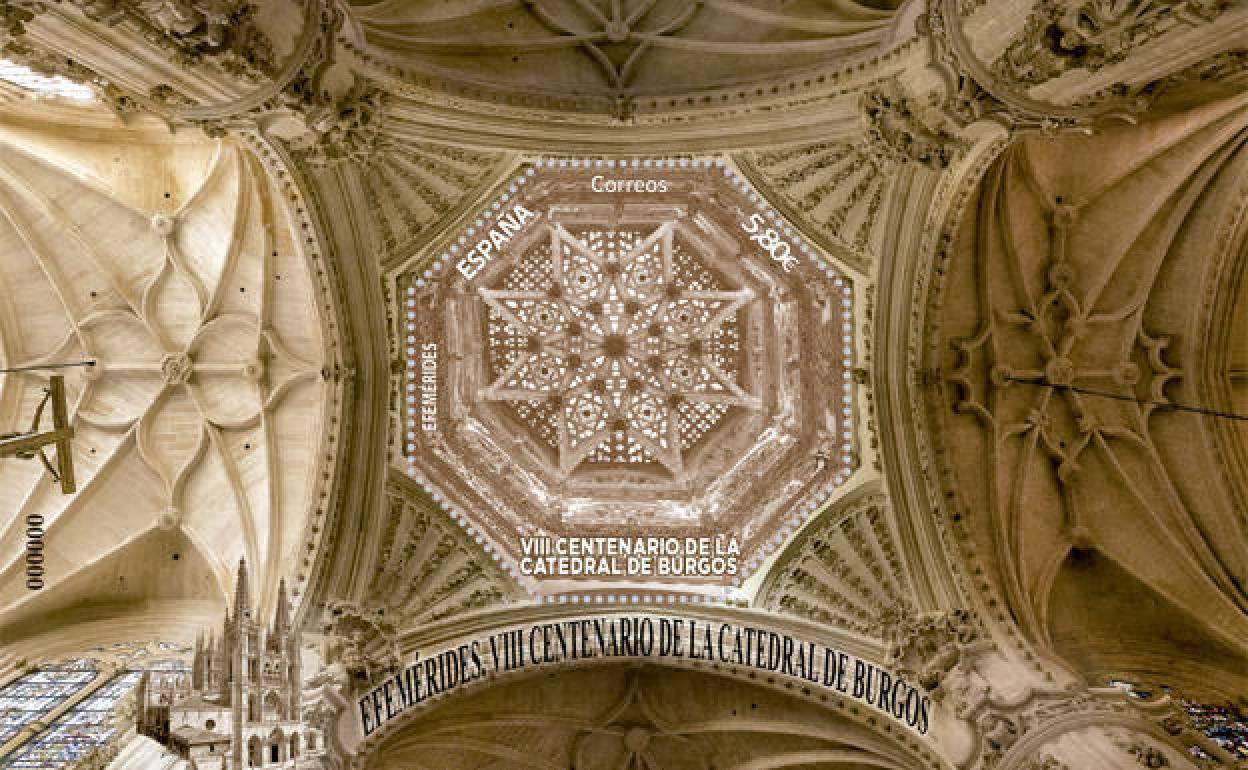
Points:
[[966, 101], [359, 646], [999, 734], [175, 368], [820, 583], [926, 647], [1047, 763], [338, 113], [1059, 37], [1092, 34], [194, 31], [1223, 69], [897, 130], [168, 97], [973, 93], [1148, 756], [323, 112], [428, 569], [412, 188], [1106, 716], [347, 128], [14, 15], [222, 33]]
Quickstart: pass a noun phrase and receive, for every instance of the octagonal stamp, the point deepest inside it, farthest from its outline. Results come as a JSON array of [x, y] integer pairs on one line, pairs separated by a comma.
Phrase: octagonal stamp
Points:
[[628, 378]]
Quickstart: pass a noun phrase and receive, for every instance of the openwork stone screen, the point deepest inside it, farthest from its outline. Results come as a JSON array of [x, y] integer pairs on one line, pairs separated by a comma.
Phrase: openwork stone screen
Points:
[[616, 346], [626, 350]]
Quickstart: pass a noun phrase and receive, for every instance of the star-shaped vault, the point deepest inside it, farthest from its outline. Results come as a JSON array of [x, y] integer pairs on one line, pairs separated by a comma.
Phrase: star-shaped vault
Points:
[[625, 353]]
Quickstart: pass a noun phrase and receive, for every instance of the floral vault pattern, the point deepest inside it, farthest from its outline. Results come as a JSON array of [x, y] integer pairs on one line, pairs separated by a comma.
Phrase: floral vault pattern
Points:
[[204, 402]]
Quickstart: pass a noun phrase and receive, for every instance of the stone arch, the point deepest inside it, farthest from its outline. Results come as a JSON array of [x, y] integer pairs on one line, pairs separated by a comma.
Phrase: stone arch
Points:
[[276, 746], [255, 755], [763, 704], [1107, 735]]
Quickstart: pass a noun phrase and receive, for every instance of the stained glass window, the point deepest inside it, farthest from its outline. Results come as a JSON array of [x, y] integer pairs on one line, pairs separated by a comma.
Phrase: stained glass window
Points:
[[77, 731], [86, 726], [44, 85], [1225, 724], [36, 694]]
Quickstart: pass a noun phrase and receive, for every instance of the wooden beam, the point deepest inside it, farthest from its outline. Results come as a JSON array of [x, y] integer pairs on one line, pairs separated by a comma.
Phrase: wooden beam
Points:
[[26, 445]]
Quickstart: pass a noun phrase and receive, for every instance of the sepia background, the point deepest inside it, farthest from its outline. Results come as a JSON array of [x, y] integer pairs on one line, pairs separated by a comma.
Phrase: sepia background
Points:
[[1037, 499]]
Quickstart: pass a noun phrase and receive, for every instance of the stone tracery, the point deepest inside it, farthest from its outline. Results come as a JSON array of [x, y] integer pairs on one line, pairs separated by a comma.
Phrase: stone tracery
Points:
[[618, 46], [625, 350]]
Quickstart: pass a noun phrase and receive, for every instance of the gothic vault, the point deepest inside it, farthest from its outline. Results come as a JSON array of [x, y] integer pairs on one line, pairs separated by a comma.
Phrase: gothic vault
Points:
[[936, 309]]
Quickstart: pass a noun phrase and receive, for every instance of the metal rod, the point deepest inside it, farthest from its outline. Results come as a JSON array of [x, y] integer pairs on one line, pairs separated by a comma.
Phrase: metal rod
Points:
[[27, 445], [36, 367], [1119, 397], [46, 366]]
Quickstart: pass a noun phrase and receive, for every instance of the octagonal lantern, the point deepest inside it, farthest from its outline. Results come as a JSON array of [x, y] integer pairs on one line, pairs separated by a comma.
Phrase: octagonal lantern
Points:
[[629, 377]]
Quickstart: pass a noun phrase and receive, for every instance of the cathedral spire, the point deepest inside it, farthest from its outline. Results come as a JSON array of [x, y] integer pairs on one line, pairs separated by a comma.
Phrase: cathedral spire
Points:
[[242, 595], [281, 618], [198, 665]]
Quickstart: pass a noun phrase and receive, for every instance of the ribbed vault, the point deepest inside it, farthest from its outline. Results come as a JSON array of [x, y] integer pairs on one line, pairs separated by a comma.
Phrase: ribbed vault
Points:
[[1074, 313], [1021, 388], [600, 53], [171, 266]]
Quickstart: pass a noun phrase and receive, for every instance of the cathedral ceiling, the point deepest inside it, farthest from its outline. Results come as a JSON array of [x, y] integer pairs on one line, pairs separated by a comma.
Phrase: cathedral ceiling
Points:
[[415, 188], [428, 568], [199, 428], [619, 56], [845, 570], [834, 190], [1080, 299], [247, 401]]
